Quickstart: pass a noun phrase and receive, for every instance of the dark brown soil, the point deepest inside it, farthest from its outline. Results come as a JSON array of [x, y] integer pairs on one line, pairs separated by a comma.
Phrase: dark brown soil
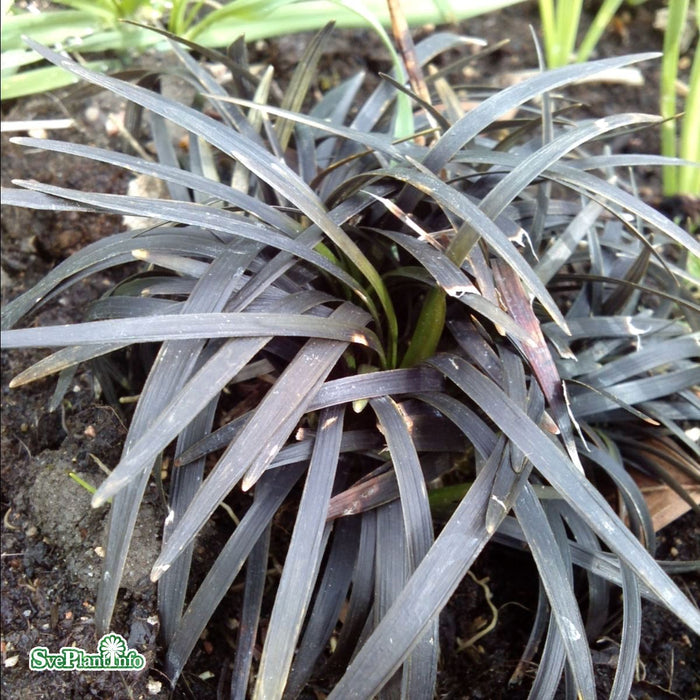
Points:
[[51, 539]]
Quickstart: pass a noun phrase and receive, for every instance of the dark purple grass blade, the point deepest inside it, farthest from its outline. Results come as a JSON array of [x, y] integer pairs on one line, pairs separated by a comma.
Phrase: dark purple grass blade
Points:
[[174, 363], [423, 596], [360, 602], [420, 672], [270, 493], [183, 178], [329, 600], [486, 112], [553, 464], [302, 559], [255, 580], [536, 352], [557, 580]]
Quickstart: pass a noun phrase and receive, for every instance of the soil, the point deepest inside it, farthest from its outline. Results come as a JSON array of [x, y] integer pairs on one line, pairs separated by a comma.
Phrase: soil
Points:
[[52, 540]]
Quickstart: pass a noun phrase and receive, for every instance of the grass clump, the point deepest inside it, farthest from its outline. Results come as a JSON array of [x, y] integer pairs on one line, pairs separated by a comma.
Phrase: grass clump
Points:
[[476, 301]]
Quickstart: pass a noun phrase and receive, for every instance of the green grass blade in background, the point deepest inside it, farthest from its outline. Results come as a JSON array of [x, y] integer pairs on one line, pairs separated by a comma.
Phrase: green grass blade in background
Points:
[[601, 22], [689, 177], [677, 12], [290, 17]]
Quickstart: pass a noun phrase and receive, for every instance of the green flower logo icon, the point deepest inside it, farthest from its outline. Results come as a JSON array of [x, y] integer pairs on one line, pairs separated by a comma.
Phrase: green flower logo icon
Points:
[[110, 647]]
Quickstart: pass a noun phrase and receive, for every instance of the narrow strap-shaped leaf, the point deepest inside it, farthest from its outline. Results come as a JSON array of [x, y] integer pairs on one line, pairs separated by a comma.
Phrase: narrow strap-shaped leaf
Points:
[[515, 386], [352, 441], [255, 579], [423, 596], [186, 326], [118, 306], [685, 304], [598, 588], [300, 82], [173, 364], [549, 670], [434, 115], [380, 486], [375, 384], [428, 330], [553, 464], [324, 355], [270, 493], [537, 352], [63, 385], [631, 635], [61, 360], [502, 485], [172, 587], [263, 436], [544, 190], [360, 602], [12, 196], [328, 603], [166, 154], [414, 494], [486, 112], [335, 107], [559, 589], [390, 567], [185, 178], [259, 161], [303, 557], [419, 676]]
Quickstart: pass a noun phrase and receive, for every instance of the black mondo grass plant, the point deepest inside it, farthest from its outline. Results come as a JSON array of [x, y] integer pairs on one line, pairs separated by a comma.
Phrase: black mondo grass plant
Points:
[[440, 299]]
